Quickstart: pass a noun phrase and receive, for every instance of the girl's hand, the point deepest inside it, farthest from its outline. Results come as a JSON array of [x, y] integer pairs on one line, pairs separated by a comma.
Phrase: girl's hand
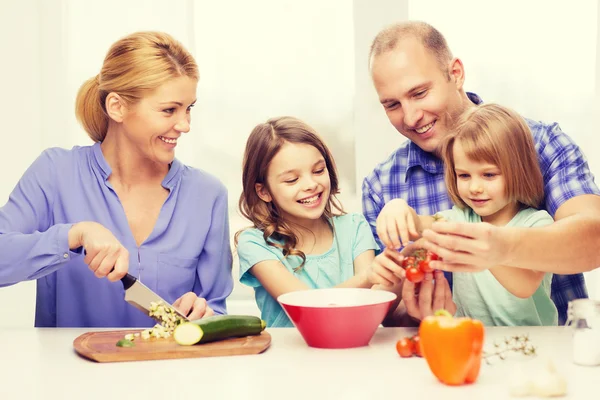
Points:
[[105, 255], [385, 269], [397, 224], [193, 307]]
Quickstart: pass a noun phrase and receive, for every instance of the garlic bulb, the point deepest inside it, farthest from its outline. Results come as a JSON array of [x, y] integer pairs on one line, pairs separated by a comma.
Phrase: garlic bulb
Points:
[[547, 382]]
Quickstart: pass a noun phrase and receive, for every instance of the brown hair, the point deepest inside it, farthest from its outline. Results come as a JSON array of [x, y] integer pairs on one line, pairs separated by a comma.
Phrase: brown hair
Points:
[[500, 136], [264, 143], [133, 67], [431, 38]]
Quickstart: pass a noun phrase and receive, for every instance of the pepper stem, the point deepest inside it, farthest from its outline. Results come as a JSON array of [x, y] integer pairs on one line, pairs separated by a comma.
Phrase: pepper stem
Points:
[[442, 313]]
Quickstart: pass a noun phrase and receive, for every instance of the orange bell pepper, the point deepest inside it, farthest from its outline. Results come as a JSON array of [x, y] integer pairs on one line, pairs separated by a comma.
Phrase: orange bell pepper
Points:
[[452, 347]]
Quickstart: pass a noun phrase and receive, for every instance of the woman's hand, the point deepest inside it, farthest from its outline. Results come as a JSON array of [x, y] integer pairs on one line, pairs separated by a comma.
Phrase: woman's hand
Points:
[[104, 254], [398, 224], [193, 307]]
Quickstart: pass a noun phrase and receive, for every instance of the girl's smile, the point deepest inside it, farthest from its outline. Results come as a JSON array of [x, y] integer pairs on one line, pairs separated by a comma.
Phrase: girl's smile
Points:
[[312, 201]]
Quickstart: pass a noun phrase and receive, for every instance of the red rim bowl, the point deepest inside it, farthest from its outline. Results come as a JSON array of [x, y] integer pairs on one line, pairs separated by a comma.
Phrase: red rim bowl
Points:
[[337, 318]]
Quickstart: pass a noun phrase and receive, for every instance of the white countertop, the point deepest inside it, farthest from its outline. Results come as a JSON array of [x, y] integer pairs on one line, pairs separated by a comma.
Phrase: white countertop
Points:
[[41, 364]]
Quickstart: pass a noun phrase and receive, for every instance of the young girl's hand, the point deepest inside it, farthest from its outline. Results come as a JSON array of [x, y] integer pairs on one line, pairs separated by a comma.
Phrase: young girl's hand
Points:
[[398, 224], [385, 269]]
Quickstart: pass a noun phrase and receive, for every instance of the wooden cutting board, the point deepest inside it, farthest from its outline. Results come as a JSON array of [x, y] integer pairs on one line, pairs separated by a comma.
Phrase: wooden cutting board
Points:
[[101, 347]]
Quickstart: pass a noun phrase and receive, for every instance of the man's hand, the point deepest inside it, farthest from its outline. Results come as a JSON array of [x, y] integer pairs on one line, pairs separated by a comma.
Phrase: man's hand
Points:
[[431, 296], [467, 247]]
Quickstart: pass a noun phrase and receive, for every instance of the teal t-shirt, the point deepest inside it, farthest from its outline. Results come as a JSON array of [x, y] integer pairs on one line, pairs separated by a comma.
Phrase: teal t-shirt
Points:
[[479, 295], [352, 237]]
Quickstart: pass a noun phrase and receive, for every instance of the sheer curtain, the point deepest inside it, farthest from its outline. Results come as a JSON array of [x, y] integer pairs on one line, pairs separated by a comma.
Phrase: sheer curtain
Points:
[[308, 59]]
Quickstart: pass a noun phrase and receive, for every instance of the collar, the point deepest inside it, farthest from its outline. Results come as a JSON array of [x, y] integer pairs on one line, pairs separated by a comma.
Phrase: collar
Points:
[[101, 165], [474, 98], [417, 157]]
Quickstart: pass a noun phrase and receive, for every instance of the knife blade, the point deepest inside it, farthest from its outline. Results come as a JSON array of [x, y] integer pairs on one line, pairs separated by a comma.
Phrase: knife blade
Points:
[[141, 297]]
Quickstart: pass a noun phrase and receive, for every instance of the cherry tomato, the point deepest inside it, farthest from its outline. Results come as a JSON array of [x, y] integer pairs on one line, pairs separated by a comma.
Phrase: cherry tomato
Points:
[[404, 347], [417, 346], [414, 274], [425, 267], [408, 262], [432, 256]]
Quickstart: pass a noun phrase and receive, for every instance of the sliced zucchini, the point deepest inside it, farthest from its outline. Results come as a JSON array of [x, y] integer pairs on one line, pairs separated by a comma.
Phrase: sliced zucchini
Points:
[[187, 334]]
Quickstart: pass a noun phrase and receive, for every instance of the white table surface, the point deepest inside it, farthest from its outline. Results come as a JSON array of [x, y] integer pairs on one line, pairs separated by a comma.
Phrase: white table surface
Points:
[[41, 364]]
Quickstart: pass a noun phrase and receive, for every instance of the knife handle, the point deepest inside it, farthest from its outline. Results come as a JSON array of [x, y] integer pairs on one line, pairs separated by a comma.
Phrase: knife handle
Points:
[[128, 281]]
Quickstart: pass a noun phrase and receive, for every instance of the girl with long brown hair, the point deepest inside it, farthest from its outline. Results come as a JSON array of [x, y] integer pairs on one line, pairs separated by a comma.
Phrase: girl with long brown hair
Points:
[[301, 238]]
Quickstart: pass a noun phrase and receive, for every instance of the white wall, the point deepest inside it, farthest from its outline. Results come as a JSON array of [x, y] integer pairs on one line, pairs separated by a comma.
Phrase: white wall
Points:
[[267, 57]]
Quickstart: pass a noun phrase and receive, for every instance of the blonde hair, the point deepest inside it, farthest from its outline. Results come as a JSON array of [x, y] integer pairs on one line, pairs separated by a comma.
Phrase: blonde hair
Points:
[[497, 135], [264, 143], [133, 67], [431, 39]]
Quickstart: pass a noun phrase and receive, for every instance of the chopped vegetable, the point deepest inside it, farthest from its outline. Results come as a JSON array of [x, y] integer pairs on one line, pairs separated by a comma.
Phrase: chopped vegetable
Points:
[[165, 315], [168, 321], [125, 343]]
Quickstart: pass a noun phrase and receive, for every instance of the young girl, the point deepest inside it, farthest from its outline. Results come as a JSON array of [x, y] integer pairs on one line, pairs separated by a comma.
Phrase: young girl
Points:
[[297, 241], [493, 176]]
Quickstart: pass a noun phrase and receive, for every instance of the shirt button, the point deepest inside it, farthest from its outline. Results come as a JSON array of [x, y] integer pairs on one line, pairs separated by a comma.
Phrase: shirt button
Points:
[[65, 255]]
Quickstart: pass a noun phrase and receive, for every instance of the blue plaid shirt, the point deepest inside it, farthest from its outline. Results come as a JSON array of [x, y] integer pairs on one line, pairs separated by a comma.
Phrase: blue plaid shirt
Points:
[[418, 177]]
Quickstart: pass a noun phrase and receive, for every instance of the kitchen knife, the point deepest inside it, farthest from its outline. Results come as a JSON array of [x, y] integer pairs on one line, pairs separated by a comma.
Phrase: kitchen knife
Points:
[[141, 297]]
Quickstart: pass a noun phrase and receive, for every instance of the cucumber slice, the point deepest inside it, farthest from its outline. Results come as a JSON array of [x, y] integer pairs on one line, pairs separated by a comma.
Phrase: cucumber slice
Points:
[[187, 334], [125, 343]]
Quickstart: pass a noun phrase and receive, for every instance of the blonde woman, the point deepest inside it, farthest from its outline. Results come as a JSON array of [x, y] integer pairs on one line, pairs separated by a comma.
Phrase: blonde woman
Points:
[[123, 204], [493, 176]]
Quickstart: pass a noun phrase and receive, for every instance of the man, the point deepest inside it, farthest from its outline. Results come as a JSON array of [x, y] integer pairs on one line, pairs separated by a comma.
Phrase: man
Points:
[[420, 85]]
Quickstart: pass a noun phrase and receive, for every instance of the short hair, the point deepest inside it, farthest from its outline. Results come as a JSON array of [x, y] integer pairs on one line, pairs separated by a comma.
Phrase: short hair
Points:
[[432, 40], [134, 67], [497, 135]]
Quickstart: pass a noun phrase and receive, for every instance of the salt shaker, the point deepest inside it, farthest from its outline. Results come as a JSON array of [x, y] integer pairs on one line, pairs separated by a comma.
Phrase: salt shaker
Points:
[[584, 318]]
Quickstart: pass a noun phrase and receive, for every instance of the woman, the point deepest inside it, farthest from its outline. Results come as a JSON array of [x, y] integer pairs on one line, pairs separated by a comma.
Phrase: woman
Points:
[[124, 204]]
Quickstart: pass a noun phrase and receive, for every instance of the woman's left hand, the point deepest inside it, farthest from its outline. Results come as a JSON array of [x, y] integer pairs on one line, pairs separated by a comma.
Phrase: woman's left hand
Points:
[[193, 307], [467, 247]]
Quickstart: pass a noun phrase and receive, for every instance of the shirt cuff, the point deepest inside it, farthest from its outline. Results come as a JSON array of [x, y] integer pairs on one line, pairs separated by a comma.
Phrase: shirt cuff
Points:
[[62, 241]]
